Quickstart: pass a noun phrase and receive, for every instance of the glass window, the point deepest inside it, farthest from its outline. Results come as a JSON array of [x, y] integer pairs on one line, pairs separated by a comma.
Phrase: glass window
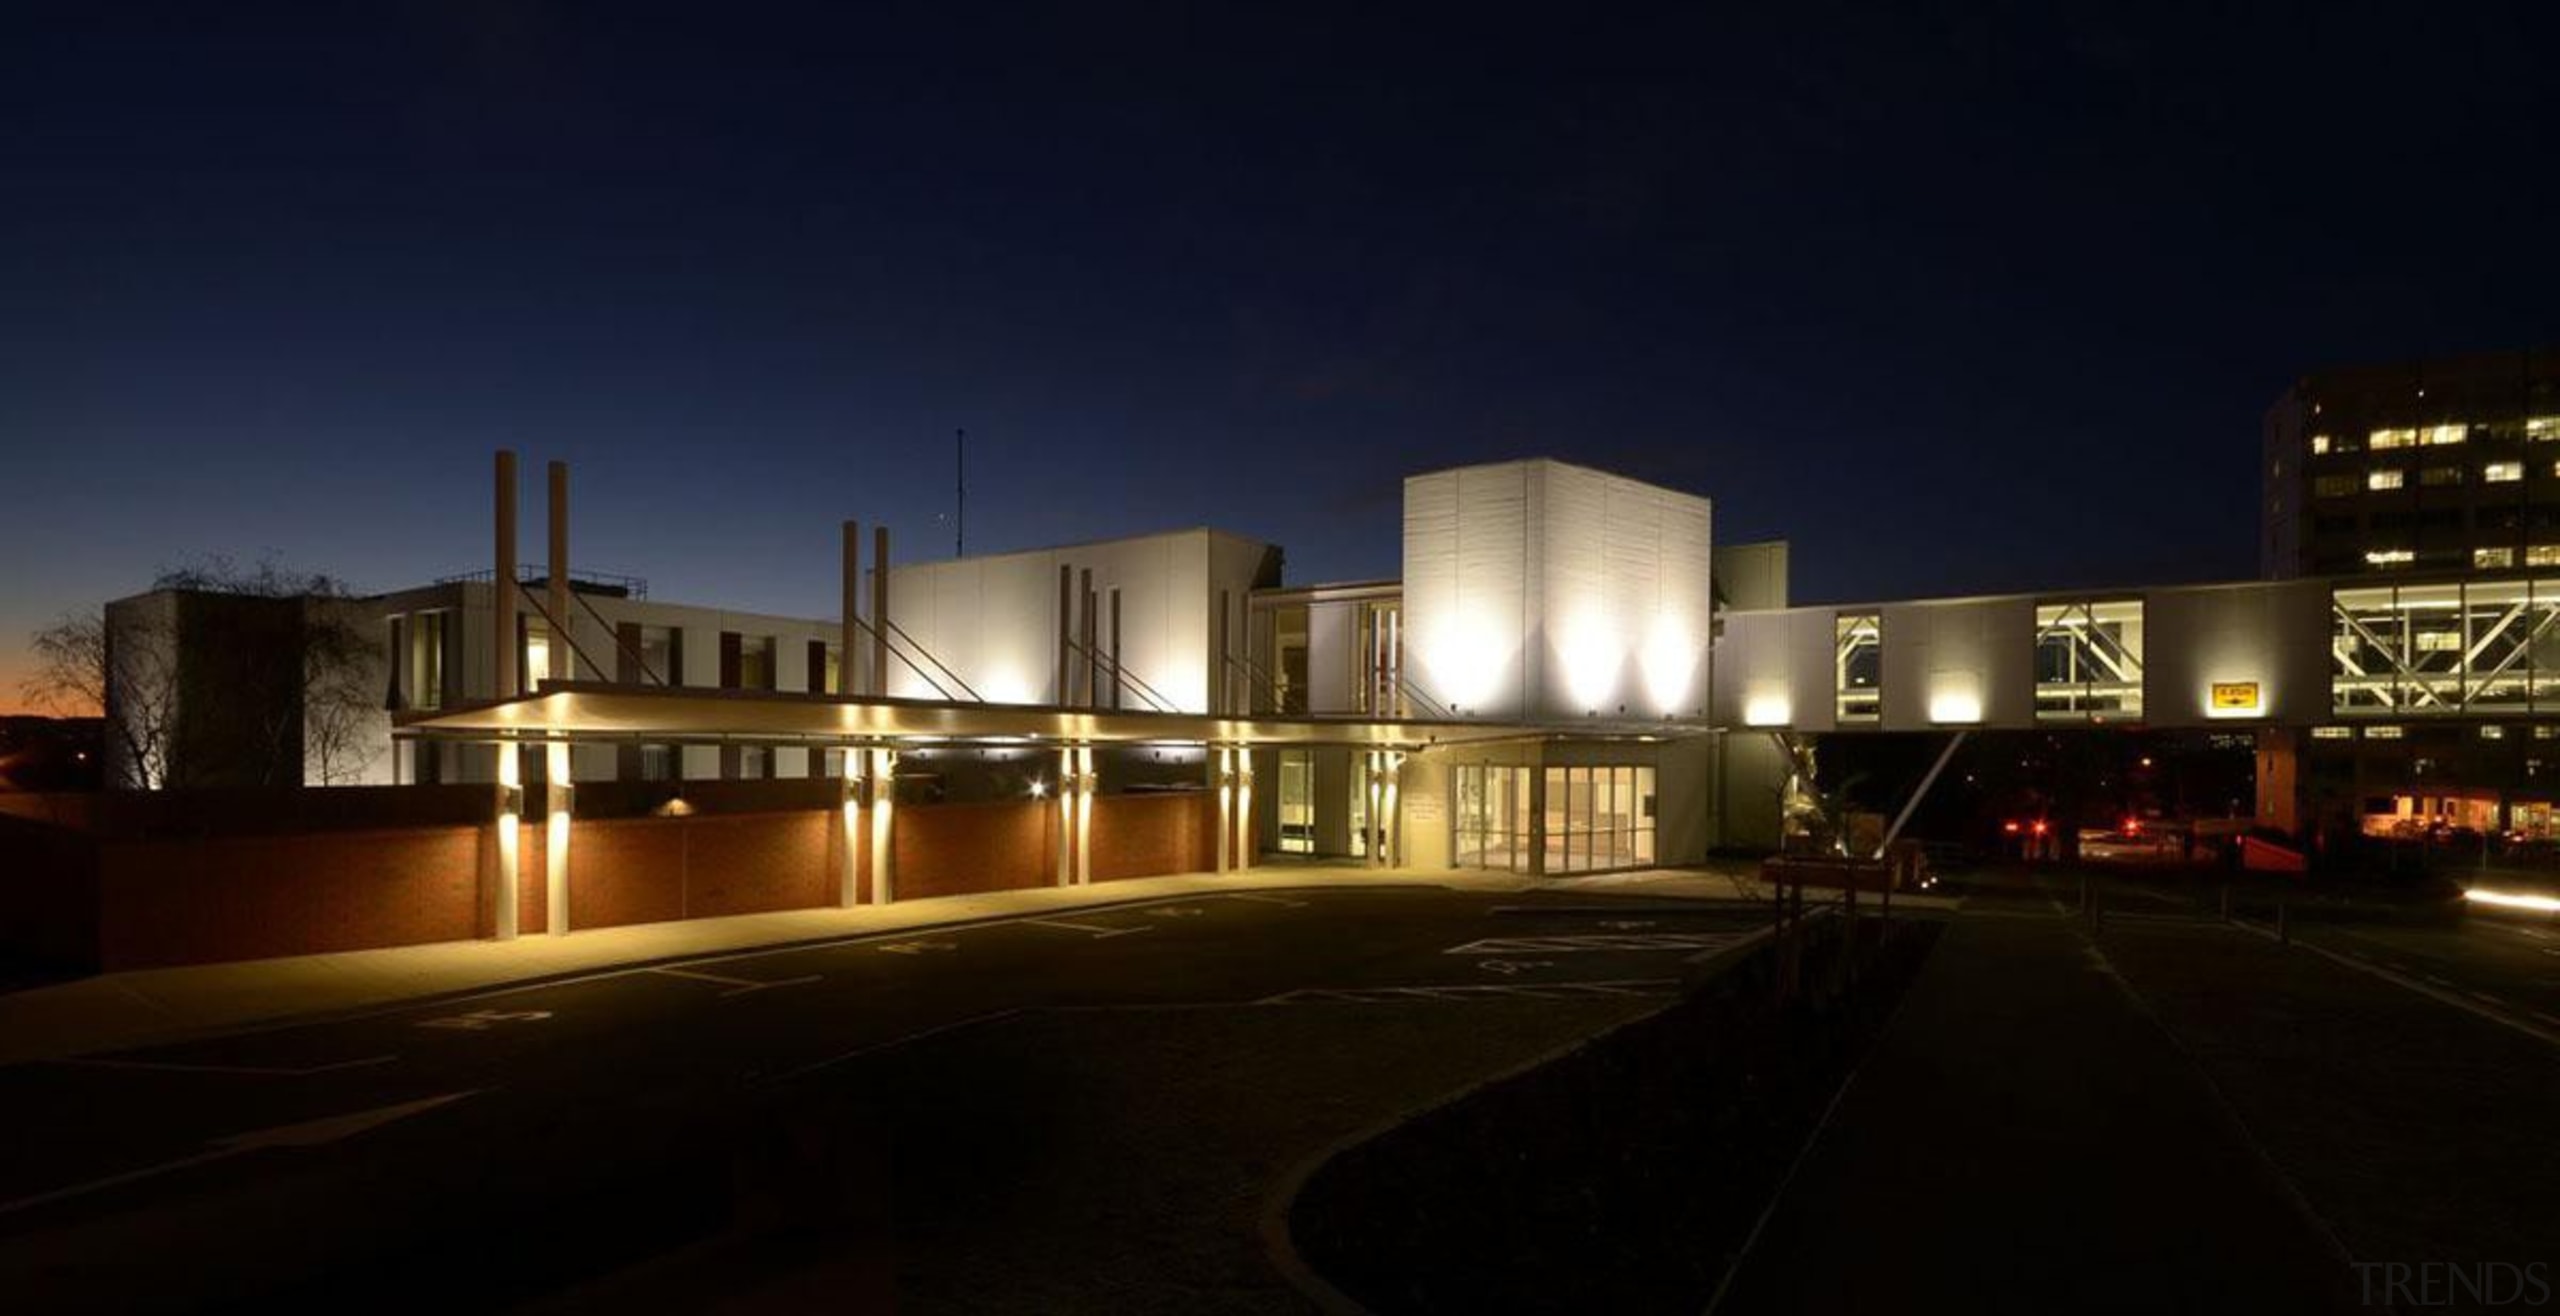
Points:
[[1298, 801], [2542, 429], [2089, 659], [2387, 479], [1289, 658], [425, 686], [658, 653], [2542, 555], [2333, 733], [2319, 444], [2384, 440], [2389, 557], [1858, 665], [2498, 472], [2441, 435], [755, 662], [2493, 557], [2439, 476], [657, 762], [2333, 486]]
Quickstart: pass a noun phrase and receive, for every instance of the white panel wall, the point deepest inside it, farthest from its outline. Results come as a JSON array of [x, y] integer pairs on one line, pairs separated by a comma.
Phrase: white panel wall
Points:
[[994, 620], [1960, 662], [1538, 590], [2275, 636]]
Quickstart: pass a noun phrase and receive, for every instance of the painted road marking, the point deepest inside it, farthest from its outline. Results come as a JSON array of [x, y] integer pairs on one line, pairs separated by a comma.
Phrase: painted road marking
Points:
[[1547, 991], [1267, 900], [915, 947], [736, 986], [309, 1133], [179, 1067], [1097, 930], [1176, 911], [1620, 941], [481, 1021], [1626, 924], [872, 1047], [1513, 966], [2484, 996]]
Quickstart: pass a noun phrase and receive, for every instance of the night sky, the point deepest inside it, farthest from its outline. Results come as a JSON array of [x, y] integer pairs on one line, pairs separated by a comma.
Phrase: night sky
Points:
[[1955, 299]]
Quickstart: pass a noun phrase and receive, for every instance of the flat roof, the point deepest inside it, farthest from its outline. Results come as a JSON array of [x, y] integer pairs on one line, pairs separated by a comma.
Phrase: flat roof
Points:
[[594, 710]]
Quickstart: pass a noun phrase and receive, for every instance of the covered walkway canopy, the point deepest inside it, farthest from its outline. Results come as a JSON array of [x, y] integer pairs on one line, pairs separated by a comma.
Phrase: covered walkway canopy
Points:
[[601, 711]]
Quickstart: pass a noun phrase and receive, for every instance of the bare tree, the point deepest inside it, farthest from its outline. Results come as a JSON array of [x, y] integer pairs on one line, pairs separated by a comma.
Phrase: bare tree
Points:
[[132, 683], [321, 732]]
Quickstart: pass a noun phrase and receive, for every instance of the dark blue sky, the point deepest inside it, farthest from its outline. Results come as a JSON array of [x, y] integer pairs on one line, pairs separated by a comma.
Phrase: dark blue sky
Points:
[[1958, 300]]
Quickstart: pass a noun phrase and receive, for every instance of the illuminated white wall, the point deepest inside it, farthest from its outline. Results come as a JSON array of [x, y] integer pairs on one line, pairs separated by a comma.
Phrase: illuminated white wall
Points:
[[994, 619], [2274, 636], [1959, 662], [1539, 590], [1774, 670]]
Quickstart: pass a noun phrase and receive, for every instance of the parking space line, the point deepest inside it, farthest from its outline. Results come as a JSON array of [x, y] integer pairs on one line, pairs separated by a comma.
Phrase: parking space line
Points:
[[736, 986], [181, 1067], [1460, 991], [1098, 931], [873, 1048], [1262, 900], [1616, 941]]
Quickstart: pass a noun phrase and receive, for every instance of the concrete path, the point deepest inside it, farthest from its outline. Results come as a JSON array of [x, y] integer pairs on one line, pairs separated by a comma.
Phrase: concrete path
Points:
[[113, 1011], [2026, 1137]]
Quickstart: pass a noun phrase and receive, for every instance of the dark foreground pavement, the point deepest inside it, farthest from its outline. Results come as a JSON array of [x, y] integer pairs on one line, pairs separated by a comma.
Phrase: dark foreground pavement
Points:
[[1080, 1112], [2027, 1138]]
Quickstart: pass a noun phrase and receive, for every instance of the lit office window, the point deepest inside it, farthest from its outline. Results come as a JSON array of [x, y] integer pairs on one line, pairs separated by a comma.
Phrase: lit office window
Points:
[[1858, 665], [2391, 479], [2382, 440], [2319, 445], [2546, 731], [2472, 647], [2333, 486], [2333, 733], [2542, 555], [2439, 476], [2542, 428], [2089, 659], [2493, 557], [2382, 733], [2439, 435], [1493, 817], [2493, 732], [425, 686], [2389, 557], [2502, 472]]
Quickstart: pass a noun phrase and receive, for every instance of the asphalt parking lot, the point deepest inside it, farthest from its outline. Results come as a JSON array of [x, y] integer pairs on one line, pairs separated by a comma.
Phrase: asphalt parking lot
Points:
[[559, 1139]]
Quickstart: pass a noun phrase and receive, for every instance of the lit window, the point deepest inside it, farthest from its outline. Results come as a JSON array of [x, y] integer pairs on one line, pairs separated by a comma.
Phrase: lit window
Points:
[[2389, 557], [2440, 435], [2493, 732], [2542, 428], [2385, 439], [2502, 472], [2438, 476], [2333, 733], [2542, 555], [2382, 733], [2440, 641], [2493, 557], [2385, 479], [2319, 444], [2546, 731]]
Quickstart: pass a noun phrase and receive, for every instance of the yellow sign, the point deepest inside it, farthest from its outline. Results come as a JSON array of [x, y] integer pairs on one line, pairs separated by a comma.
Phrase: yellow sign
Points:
[[2235, 696]]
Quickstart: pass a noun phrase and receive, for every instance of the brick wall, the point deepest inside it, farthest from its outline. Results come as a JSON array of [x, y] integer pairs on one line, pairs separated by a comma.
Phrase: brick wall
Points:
[[1151, 835], [198, 901], [955, 849]]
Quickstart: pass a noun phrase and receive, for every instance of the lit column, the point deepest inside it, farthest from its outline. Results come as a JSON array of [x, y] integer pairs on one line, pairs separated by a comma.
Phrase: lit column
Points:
[[1244, 807], [557, 791], [884, 806], [1084, 814], [1222, 773], [1066, 816], [510, 796], [1390, 816], [849, 863]]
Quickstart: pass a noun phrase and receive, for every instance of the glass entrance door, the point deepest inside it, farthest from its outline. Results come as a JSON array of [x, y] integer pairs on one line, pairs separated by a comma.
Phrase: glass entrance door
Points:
[[1297, 801]]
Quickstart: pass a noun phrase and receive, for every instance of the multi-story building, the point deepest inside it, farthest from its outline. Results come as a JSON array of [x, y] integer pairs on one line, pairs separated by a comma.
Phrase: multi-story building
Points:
[[2448, 465]]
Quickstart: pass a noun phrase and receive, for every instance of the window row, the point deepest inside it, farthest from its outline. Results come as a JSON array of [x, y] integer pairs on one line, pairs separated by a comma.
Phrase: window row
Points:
[[2088, 661], [2441, 648], [2536, 429], [2388, 478]]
